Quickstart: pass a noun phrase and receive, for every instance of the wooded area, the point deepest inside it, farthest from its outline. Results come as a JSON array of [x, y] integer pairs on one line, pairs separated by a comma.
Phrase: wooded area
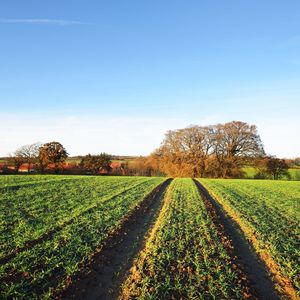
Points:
[[215, 151]]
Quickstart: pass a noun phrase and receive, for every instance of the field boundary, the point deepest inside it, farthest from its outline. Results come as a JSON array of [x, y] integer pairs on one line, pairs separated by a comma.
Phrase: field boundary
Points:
[[280, 282], [106, 268]]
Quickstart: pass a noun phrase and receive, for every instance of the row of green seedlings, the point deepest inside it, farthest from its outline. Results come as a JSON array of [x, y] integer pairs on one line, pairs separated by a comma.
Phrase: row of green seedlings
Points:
[[29, 213], [184, 257], [47, 267], [270, 212]]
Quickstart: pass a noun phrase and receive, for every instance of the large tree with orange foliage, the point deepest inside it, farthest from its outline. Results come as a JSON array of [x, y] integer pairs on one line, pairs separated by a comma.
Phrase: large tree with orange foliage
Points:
[[215, 151], [52, 153]]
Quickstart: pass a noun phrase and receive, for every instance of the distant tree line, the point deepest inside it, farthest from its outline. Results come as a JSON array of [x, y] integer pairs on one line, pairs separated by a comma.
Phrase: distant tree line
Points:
[[94, 164], [51, 158], [270, 167], [216, 151], [38, 157], [293, 162]]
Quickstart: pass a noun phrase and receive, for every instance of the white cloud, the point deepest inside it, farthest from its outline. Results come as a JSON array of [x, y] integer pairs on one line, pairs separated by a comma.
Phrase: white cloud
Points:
[[42, 21]]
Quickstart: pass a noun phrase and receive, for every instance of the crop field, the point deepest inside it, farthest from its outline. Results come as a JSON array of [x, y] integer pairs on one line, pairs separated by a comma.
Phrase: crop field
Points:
[[269, 213], [184, 257], [50, 224], [106, 237]]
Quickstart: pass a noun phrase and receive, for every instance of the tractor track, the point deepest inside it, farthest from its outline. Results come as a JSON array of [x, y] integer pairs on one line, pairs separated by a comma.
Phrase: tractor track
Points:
[[101, 276], [257, 276]]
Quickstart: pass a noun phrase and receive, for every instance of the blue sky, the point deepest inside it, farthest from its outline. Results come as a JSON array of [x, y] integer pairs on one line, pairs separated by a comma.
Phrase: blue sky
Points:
[[115, 75]]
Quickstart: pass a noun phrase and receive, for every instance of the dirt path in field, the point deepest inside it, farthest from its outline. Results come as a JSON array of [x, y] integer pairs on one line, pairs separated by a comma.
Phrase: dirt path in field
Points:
[[102, 276], [254, 269]]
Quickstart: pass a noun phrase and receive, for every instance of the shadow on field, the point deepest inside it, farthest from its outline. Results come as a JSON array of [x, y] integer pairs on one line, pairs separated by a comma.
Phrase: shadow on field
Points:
[[102, 276], [258, 278]]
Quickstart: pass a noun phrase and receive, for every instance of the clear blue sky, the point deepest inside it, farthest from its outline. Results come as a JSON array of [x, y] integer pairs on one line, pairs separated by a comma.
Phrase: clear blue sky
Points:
[[115, 75]]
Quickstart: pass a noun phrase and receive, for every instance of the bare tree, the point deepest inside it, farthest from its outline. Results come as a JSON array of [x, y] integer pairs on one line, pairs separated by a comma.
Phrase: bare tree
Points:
[[184, 152], [16, 161], [216, 151], [29, 153], [233, 144]]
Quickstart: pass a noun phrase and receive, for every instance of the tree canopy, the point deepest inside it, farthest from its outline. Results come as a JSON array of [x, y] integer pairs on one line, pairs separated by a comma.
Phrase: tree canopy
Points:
[[52, 153], [96, 163], [214, 151]]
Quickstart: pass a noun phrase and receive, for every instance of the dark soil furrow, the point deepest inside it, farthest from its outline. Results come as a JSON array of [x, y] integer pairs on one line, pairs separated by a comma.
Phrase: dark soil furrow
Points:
[[254, 269], [102, 276]]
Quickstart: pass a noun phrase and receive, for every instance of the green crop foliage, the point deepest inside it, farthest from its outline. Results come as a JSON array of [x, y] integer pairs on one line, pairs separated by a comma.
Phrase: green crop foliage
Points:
[[27, 207], [271, 209], [184, 257], [82, 211]]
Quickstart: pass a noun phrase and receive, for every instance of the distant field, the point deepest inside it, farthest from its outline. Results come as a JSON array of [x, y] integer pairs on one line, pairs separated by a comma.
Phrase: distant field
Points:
[[250, 172]]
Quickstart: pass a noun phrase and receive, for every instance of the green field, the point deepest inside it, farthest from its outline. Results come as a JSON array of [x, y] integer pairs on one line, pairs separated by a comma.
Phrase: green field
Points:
[[51, 225], [250, 173], [295, 173], [82, 211], [184, 255], [270, 210]]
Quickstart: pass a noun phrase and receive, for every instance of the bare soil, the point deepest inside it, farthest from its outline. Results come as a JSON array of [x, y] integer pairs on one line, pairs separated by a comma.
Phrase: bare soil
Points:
[[255, 271], [101, 277]]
